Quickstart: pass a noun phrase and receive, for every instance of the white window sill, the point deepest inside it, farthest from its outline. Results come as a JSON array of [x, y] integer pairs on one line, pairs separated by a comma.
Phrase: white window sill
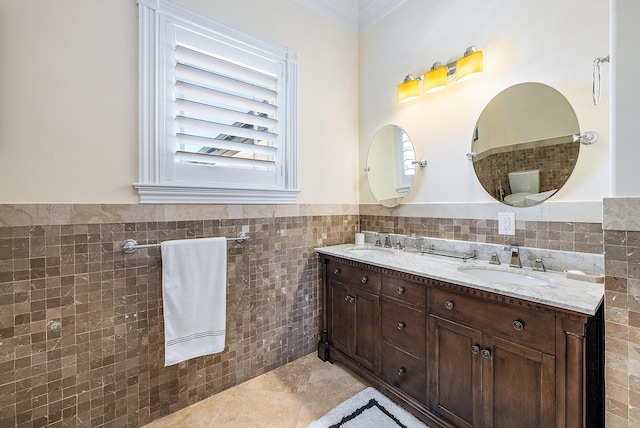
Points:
[[180, 194]]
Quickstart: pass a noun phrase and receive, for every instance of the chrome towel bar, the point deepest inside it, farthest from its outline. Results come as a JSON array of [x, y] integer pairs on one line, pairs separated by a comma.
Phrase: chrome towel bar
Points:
[[130, 245]]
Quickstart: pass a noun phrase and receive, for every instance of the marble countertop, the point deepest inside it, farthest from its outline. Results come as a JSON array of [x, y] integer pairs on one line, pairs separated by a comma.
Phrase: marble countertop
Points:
[[573, 295]]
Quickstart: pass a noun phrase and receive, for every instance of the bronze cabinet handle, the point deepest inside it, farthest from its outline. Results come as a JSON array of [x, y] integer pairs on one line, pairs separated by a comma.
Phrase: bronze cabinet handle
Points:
[[364, 279], [336, 271], [449, 305], [402, 371], [401, 325], [475, 349], [400, 290]]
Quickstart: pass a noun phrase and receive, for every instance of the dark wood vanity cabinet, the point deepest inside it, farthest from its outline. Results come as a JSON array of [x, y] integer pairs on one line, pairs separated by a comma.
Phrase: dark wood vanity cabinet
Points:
[[457, 356]]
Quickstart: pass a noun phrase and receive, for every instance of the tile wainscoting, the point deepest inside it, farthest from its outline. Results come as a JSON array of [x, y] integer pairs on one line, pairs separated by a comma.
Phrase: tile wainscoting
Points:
[[81, 322], [81, 326]]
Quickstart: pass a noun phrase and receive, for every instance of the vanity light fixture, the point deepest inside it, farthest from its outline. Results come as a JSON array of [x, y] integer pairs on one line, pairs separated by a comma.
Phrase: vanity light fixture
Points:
[[409, 89], [435, 79], [438, 77], [470, 65]]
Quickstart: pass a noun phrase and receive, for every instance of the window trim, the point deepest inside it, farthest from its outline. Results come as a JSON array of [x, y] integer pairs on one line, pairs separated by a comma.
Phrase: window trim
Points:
[[152, 186]]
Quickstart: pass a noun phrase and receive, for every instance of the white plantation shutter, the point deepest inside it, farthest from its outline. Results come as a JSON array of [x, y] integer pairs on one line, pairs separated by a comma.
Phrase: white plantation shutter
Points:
[[226, 116]]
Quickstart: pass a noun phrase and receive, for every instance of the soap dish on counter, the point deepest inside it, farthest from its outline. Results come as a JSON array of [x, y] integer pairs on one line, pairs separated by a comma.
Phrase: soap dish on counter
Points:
[[584, 276]]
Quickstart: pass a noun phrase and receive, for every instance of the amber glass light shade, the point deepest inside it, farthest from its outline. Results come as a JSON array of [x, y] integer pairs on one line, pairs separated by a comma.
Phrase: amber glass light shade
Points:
[[409, 90], [469, 66], [435, 80]]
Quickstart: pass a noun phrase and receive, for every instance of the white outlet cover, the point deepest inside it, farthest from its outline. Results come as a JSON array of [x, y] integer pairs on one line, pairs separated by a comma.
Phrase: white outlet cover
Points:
[[506, 223]]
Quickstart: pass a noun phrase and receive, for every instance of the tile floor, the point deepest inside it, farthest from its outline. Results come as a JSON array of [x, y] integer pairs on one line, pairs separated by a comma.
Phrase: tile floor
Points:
[[291, 396]]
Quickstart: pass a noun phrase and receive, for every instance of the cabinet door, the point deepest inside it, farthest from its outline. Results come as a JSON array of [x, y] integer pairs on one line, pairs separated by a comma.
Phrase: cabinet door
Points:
[[455, 372], [366, 347], [340, 317], [519, 386], [354, 324]]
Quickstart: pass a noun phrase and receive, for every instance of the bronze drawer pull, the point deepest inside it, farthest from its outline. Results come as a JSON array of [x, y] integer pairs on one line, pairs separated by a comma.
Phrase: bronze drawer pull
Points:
[[518, 325], [475, 349], [486, 353], [349, 299], [336, 271], [449, 305], [400, 290], [401, 371], [364, 279], [401, 325]]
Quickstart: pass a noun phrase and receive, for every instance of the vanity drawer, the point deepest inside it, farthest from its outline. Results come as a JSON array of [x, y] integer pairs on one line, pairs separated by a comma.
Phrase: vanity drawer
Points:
[[404, 372], [354, 276], [533, 329], [408, 292], [404, 327]]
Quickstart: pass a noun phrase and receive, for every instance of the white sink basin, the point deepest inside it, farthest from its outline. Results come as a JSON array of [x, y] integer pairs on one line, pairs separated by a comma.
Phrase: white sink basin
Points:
[[507, 277], [371, 251]]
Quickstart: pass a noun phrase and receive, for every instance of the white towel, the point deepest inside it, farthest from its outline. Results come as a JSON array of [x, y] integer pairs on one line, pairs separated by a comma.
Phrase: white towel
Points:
[[194, 295]]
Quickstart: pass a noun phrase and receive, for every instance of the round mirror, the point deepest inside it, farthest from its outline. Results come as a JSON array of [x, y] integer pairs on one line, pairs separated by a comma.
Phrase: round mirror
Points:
[[391, 165], [523, 144]]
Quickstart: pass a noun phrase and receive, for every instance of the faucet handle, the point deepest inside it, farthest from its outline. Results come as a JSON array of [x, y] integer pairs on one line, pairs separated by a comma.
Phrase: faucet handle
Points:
[[539, 265], [495, 260]]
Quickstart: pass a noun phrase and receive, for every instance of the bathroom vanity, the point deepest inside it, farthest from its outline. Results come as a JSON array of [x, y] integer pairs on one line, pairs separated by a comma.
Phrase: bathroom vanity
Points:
[[459, 350]]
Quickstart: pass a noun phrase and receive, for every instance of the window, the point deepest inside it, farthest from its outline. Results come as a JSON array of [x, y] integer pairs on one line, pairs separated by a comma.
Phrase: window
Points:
[[217, 112]]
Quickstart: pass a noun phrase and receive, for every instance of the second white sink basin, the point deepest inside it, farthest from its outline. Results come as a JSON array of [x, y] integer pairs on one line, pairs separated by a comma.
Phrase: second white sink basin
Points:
[[507, 277]]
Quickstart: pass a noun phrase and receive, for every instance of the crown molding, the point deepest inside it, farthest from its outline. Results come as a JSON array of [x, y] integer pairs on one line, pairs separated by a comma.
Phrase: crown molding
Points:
[[372, 11], [354, 15]]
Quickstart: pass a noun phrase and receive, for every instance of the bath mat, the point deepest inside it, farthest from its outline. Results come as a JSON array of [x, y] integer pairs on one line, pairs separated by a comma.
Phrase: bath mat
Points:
[[367, 409]]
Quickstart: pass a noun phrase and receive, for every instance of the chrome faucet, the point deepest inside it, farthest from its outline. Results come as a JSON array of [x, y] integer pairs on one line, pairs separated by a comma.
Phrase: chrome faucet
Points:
[[515, 255], [383, 241]]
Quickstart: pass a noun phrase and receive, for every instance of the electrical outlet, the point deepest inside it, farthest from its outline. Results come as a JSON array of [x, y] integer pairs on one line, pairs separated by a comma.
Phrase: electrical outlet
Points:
[[506, 223]]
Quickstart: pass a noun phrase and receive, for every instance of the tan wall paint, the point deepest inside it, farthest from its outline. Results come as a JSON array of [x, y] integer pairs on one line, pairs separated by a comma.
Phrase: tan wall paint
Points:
[[68, 110]]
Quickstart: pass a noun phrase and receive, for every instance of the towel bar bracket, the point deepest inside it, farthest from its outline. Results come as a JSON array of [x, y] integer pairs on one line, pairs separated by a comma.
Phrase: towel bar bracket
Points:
[[130, 245]]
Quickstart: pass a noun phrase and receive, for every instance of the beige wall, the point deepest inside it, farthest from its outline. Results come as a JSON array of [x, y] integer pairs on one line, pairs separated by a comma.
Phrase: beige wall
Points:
[[68, 110], [525, 41]]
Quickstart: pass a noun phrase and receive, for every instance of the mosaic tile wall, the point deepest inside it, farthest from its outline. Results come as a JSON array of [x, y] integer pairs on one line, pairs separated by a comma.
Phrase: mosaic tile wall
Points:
[[81, 327], [566, 236], [555, 162]]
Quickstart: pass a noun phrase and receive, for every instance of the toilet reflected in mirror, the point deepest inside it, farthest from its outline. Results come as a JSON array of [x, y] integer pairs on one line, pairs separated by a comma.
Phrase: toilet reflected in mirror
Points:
[[522, 184]]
